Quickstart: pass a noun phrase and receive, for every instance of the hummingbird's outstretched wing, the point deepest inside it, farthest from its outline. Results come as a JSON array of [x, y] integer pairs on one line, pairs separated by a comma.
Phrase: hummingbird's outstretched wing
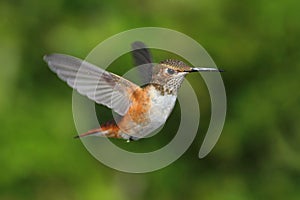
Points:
[[142, 57], [97, 84]]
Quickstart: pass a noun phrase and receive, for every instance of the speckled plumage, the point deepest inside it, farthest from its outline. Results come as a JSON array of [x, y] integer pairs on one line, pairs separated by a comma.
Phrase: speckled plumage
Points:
[[176, 65]]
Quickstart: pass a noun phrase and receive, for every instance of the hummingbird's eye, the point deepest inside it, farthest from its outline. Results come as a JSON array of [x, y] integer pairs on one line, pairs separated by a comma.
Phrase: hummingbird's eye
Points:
[[170, 71]]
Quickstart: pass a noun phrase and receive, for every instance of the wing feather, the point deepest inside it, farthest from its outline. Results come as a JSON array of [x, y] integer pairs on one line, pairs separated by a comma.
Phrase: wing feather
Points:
[[89, 80], [142, 57]]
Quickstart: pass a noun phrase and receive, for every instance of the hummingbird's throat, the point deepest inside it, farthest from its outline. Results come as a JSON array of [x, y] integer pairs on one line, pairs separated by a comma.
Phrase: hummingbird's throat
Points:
[[168, 85]]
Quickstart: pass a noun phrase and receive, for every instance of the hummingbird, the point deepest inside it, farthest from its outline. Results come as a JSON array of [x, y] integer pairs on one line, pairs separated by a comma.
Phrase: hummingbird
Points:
[[143, 109]]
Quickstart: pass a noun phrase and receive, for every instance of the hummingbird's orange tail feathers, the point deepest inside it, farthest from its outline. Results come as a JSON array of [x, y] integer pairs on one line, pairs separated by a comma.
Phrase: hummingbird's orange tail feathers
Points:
[[109, 129]]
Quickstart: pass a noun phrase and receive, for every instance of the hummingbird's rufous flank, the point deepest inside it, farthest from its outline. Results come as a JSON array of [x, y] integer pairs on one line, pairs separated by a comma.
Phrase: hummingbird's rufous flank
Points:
[[143, 109]]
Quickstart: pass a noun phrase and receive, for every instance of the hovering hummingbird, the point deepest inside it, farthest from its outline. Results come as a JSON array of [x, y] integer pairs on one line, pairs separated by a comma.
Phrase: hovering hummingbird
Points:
[[142, 109]]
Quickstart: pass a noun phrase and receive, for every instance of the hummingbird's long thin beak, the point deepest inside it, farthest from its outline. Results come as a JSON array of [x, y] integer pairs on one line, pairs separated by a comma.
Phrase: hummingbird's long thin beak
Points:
[[205, 69]]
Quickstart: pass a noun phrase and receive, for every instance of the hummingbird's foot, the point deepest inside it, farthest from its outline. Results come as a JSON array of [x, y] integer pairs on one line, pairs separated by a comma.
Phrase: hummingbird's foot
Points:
[[131, 138]]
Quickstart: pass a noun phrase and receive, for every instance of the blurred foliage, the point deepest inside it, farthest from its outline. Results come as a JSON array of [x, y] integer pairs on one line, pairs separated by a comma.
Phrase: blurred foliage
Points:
[[257, 156]]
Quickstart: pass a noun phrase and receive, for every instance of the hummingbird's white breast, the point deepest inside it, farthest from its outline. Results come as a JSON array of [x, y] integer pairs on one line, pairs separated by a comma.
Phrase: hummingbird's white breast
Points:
[[160, 108], [161, 105]]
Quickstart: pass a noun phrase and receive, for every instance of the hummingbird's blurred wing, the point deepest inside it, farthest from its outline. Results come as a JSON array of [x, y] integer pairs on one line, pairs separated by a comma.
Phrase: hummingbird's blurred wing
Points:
[[97, 84], [142, 57]]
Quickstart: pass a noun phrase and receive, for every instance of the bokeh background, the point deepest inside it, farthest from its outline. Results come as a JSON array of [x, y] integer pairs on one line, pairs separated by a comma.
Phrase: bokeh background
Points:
[[257, 155]]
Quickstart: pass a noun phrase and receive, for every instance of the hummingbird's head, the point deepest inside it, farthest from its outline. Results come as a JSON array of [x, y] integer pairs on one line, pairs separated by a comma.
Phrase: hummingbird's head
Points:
[[169, 74]]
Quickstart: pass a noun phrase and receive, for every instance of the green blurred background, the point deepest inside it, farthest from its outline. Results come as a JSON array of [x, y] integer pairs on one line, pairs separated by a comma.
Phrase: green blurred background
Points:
[[257, 156]]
